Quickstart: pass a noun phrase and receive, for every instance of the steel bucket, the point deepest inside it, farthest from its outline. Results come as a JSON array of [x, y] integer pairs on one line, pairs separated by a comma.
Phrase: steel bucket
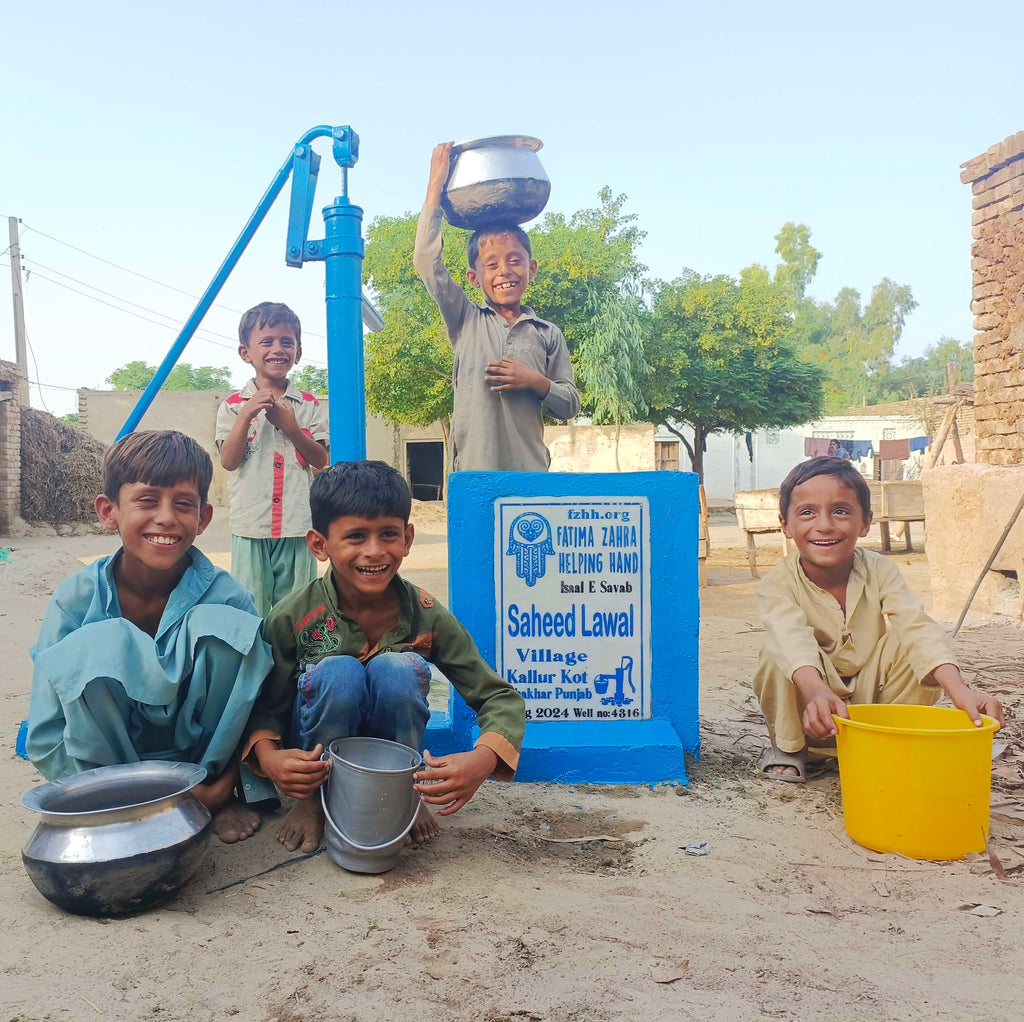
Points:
[[117, 839], [495, 180], [369, 802]]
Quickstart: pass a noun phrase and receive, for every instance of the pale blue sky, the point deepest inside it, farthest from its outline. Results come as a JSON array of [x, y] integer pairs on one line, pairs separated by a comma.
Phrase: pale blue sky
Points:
[[146, 134]]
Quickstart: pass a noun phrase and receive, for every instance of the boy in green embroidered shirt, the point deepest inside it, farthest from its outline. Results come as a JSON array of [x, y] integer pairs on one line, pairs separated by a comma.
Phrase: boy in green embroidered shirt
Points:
[[352, 654]]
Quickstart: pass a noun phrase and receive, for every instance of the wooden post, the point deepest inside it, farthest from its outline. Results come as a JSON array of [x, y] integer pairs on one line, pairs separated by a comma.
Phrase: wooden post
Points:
[[702, 498], [940, 439], [20, 340], [957, 448]]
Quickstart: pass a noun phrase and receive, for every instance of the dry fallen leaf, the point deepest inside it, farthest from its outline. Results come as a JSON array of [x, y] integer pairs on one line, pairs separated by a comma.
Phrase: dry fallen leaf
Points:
[[671, 975], [997, 866]]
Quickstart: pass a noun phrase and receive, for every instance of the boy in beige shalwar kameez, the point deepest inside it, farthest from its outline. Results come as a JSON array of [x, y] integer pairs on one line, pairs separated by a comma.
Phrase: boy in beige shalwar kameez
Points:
[[841, 624]]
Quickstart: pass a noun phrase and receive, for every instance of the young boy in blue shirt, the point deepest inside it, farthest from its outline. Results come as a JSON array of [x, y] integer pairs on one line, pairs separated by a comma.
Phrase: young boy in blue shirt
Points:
[[352, 654], [153, 652], [841, 625], [271, 436]]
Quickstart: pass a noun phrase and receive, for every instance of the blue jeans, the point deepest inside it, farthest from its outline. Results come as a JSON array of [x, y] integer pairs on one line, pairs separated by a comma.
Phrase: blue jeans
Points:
[[383, 698]]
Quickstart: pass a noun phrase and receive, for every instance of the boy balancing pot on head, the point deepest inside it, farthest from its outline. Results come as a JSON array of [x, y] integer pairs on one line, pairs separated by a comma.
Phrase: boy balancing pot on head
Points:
[[352, 654], [825, 609], [271, 435], [152, 653], [510, 365]]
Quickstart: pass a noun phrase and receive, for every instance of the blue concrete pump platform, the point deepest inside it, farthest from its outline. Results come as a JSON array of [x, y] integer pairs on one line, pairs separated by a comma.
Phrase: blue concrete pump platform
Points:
[[554, 543]]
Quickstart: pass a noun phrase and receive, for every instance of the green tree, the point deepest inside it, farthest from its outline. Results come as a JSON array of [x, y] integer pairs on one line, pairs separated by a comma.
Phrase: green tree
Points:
[[854, 344], [611, 364], [924, 375], [859, 341], [409, 362], [137, 375], [311, 379], [591, 254], [799, 261], [722, 359]]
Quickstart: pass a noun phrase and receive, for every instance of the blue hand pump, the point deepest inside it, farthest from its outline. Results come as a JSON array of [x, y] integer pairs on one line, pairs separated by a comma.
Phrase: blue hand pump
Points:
[[347, 311]]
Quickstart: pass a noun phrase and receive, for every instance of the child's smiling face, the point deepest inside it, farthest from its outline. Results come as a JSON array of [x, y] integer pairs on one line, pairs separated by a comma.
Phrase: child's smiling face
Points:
[[365, 554], [503, 269], [272, 351], [157, 524], [825, 520]]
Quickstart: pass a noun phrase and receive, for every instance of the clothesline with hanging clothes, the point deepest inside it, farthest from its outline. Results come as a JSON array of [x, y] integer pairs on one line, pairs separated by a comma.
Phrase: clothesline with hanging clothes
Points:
[[816, 446], [900, 450], [854, 450]]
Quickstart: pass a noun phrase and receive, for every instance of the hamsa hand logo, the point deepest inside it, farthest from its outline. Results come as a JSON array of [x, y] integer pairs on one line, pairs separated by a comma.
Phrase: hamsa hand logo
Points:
[[529, 539]]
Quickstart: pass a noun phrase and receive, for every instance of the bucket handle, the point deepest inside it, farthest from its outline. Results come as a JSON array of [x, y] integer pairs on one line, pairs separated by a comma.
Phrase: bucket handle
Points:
[[348, 840]]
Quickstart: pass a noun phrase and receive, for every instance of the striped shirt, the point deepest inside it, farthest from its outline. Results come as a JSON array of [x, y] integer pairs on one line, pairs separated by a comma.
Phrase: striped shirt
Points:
[[269, 491]]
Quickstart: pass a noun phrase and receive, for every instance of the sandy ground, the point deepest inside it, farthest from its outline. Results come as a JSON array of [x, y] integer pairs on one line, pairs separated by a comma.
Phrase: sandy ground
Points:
[[502, 919]]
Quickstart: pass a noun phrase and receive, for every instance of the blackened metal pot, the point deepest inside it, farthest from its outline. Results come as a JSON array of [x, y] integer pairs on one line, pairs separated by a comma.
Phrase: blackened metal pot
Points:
[[495, 180], [117, 839]]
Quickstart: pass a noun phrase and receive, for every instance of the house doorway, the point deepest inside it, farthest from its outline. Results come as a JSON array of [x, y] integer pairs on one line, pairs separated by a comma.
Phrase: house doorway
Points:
[[425, 460]]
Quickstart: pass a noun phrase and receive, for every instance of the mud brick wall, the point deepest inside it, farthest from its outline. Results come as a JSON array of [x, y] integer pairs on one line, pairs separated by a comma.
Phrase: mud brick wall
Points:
[[997, 225], [10, 447]]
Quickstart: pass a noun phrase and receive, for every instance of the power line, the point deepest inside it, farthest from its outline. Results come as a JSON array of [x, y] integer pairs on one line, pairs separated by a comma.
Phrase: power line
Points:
[[135, 273], [124, 269], [53, 386], [137, 315], [35, 362], [145, 308], [167, 326]]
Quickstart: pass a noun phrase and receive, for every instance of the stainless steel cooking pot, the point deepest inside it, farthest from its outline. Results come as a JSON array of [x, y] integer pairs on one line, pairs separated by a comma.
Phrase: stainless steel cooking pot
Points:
[[495, 180], [117, 839]]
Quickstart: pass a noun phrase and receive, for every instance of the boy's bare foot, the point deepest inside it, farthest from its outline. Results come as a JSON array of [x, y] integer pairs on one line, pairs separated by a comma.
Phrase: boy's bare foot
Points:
[[304, 825], [235, 823], [424, 828]]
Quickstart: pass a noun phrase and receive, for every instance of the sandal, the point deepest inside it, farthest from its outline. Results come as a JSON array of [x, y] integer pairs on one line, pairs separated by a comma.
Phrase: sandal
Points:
[[775, 757]]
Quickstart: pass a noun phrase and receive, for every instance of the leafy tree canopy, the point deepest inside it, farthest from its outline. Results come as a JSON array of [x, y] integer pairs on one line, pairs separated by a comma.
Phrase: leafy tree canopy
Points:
[[137, 375], [311, 379], [722, 358], [611, 362], [853, 342], [925, 375]]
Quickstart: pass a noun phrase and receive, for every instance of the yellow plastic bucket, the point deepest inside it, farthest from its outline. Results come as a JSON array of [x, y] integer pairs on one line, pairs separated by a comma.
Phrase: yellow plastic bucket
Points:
[[915, 779]]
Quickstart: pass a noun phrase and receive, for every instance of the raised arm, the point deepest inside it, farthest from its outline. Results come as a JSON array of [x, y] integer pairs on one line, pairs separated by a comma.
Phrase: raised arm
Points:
[[427, 254], [440, 161]]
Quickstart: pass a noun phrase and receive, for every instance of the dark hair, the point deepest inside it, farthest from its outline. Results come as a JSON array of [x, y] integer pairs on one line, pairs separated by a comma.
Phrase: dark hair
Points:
[[490, 231], [369, 489], [268, 314], [840, 468], [156, 457]]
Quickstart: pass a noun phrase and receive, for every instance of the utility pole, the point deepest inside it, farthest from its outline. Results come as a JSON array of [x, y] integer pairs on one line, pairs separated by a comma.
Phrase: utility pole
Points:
[[20, 344]]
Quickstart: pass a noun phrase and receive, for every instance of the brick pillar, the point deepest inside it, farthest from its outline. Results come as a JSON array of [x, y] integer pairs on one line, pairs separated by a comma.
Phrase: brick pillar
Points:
[[10, 447], [997, 225]]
